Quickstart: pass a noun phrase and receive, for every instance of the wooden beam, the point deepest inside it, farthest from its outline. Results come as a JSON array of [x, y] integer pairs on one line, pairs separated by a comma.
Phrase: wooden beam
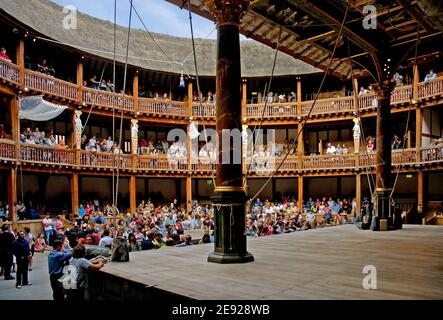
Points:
[[132, 194], [20, 56], [12, 192], [300, 193], [418, 16], [188, 194], [74, 194]]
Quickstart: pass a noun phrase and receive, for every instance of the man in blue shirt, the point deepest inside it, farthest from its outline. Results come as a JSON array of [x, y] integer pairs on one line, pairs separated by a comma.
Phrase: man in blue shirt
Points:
[[430, 76], [99, 219], [56, 260]]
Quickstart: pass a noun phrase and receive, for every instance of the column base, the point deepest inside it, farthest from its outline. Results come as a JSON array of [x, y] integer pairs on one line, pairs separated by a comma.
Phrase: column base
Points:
[[228, 258]]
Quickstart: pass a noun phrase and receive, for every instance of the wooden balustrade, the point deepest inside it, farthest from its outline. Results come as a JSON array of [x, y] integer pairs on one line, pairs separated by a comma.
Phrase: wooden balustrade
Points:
[[9, 71], [336, 161], [367, 101], [162, 107], [327, 106], [205, 110], [274, 110], [432, 154], [405, 156], [203, 164], [50, 85], [108, 99], [266, 166], [401, 94], [431, 89], [7, 149], [47, 155], [162, 163], [105, 160]]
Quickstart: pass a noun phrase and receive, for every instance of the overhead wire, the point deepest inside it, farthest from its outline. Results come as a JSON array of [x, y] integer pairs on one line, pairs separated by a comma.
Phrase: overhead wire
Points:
[[310, 110]]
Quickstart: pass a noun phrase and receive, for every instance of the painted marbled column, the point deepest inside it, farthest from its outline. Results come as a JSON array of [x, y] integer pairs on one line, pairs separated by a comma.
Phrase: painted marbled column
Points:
[[229, 196], [78, 129], [134, 136]]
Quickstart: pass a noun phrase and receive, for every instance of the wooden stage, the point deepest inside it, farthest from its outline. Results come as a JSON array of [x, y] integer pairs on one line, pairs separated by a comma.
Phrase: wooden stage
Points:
[[317, 264]]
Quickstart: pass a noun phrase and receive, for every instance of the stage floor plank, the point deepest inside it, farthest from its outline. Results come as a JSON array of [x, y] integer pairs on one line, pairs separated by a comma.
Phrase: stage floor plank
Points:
[[317, 264]]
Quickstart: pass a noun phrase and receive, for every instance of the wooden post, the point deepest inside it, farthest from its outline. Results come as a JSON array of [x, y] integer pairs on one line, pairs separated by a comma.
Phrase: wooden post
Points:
[[416, 81], [135, 92], [243, 100], [12, 192], [420, 193], [74, 194], [80, 79], [132, 194], [189, 193], [320, 147], [229, 196], [20, 56], [300, 193], [190, 97], [409, 144], [357, 194], [355, 87]]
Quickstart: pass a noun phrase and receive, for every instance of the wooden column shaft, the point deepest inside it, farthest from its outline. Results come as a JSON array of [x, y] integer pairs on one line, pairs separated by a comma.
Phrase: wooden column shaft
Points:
[[420, 192], [358, 193], [135, 92], [12, 192], [188, 193], [20, 56], [74, 193], [132, 194], [300, 193]]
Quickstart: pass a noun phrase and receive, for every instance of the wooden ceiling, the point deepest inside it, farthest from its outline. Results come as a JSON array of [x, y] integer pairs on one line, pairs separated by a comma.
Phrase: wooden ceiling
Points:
[[309, 30]]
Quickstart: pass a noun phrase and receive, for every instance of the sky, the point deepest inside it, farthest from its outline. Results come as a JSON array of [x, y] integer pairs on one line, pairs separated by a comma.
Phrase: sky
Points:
[[158, 15]]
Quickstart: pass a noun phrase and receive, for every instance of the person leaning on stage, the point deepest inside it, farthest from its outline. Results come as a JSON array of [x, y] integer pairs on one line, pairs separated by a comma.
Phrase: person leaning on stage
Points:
[[82, 265], [56, 261]]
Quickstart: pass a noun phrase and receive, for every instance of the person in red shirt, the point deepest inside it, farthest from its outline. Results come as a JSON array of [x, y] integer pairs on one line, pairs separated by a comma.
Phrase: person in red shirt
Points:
[[3, 54]]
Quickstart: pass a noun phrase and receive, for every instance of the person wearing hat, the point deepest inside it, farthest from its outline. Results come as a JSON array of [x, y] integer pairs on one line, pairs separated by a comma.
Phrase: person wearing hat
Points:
[[6, 256]]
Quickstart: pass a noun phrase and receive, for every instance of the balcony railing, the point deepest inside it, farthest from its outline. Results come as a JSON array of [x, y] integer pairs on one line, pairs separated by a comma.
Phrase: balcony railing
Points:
[[50, 85], [367, 101], [432, 88], [328, 106], [432, 154], [405, 156], [7, 149], [162, 107], [266, 166], [107, 99], [105, 160], [9, 71], [162, 163], [47, 155], [272, 110], [203, 164], [401, 94], [205, 110], [329, 162]]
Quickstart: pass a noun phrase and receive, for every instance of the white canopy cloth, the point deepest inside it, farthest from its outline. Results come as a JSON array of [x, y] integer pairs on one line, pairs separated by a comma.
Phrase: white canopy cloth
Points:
[[35, 108]]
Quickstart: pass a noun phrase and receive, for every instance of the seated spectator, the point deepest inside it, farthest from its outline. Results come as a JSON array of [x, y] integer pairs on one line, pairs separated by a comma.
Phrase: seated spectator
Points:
[[40, 244], [430, 76], [3, 55], [94, 83], [331, 149], [398, 79]]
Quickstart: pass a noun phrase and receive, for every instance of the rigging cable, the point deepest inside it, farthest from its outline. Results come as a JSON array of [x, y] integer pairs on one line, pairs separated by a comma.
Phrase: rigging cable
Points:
[[199, 91], [310, 110], [120, 158]]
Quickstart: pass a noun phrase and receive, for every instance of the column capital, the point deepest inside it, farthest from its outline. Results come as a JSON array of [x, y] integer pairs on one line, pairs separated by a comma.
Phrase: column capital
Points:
[[227, 12]]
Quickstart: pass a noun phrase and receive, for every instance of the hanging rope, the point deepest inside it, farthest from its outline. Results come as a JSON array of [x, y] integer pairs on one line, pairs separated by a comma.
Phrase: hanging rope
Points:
[[409, 113], [309, 113], [113, 106], [267, 90], [198, 89], [121, 114]]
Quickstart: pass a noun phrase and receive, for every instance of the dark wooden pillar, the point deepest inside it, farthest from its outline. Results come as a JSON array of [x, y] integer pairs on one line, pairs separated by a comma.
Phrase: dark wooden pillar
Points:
[[12, 193], [229, 196], [383, 189]]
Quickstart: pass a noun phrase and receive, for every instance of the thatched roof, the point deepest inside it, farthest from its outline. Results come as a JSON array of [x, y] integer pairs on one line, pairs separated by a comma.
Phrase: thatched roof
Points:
[[45, 17]]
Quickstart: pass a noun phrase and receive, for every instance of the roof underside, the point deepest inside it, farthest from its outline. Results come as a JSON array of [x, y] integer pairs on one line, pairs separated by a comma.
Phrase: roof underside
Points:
[[310, 29], [96, 37]]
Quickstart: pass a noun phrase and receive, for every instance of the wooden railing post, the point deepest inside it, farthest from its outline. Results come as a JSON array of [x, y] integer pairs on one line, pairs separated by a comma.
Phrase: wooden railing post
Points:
[[20, 57]]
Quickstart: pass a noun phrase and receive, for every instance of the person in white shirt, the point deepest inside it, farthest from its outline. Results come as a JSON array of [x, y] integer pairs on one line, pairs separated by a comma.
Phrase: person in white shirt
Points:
[[109, 143], [47, 226], [331, 149]]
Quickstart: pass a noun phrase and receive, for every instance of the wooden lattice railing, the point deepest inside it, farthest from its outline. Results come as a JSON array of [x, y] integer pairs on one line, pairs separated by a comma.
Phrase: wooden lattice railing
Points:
[[9, 71], [43, 83], [163, 107], [47, 155], [108, 99]]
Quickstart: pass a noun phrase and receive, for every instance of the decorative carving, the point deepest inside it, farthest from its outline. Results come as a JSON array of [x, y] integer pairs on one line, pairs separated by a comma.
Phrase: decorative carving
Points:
[[227, 11], [78, 129], [357, 135], [134, 136]]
